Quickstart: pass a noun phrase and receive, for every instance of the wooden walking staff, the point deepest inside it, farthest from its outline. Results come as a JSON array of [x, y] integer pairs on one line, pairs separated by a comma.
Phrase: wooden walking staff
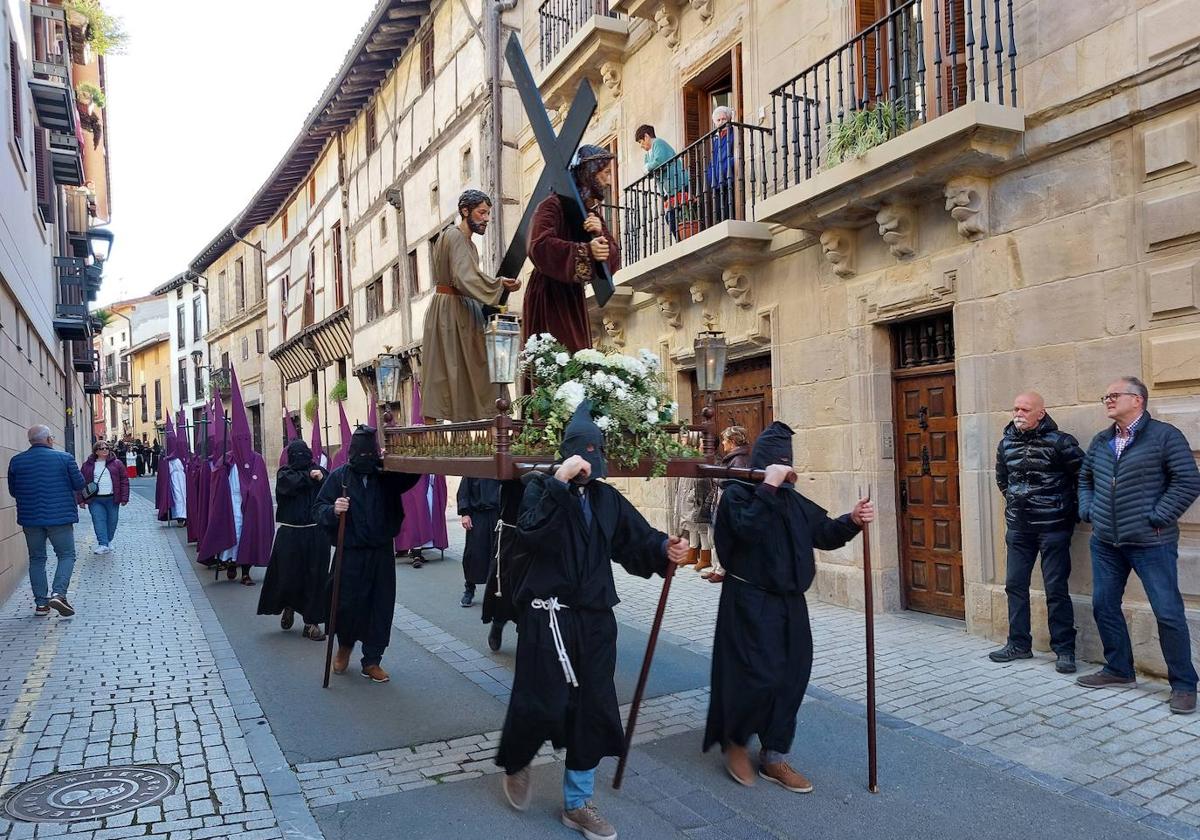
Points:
[[869, 616], [331, 624], [644, 675]]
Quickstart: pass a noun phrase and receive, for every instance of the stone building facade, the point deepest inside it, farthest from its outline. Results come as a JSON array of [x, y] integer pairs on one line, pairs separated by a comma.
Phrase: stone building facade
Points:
[[149, 385], [1032, 223]]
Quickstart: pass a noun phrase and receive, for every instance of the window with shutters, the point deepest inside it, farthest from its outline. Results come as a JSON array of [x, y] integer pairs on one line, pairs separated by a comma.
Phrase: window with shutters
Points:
[[372, 142], [312, 192], [260, 290], [181, 326], [225, 361], [283, 222], [183, 381], [396, 286], [198, 378], [310, 288], [374, 299], [718, 84], [427, 58], [339, 288], [145, 406], [222, 304], [239, 285], [157, 399], [15, 86], [414, 274], [258, 341], [43, 176], [197, 318], [245, 347]]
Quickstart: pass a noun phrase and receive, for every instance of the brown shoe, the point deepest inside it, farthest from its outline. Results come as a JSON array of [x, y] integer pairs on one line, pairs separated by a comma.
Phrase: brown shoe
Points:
[[588, 822], [1103, 679], [782, 774], [1183, 702], [737, 762], [693, 557], [518, 788], [375, 674], [705, 559], [341, 660]]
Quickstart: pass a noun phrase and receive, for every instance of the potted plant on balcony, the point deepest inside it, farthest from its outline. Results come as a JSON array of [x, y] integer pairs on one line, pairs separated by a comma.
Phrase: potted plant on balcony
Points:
[[103, 32], [687, 222], [860, 131], [90, 97], [338, 392], [310, 407]]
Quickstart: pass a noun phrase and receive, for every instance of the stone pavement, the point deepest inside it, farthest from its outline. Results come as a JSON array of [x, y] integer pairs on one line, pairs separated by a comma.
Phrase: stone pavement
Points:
[[141, 674]]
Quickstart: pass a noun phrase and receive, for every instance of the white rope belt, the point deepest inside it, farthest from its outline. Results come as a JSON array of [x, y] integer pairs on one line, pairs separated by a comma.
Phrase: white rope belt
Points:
[[500, 526], [290, 525], [552, 606]]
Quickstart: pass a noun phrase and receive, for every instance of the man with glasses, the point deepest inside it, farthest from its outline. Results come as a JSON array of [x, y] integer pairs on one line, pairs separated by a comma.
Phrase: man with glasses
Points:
[[1138, 479], [45, 483]]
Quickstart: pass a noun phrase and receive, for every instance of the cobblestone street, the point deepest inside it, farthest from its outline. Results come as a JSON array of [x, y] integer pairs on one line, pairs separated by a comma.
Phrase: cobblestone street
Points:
[[157, 668]]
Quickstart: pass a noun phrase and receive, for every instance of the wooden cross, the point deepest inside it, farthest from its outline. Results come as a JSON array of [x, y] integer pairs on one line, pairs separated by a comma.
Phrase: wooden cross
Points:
[[556, 178]]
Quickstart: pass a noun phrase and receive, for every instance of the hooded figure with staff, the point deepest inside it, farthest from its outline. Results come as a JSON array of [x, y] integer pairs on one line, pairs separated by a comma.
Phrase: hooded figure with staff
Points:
[[571, 528], [763, 650], [369, 500]]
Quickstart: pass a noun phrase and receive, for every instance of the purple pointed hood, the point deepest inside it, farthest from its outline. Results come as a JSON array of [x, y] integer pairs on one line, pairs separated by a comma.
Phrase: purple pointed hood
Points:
[[317, 452], [213, 415], [170, 450], [162, 479], [289, 430], [243, 441], [343, 453], [183, 446]]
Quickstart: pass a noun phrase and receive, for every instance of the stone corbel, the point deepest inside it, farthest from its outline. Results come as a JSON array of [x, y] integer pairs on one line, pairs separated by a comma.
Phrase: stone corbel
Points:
[[667, 22], [702, 294], [610, 74], [898, 228], [668, 306], [703, 8], [838, 247], [967, 204], [614, 328], [737, 283]]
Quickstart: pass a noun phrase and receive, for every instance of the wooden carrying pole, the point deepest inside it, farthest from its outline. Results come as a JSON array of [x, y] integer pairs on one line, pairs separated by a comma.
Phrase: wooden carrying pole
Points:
[[331, 624], [869, 617], [644, 675]]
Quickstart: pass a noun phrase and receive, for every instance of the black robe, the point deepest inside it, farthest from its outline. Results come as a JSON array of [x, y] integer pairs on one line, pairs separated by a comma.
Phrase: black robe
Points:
[[367, 593], [564, 558], [762, 650], [298, 573], [479, 498], [497, 597]]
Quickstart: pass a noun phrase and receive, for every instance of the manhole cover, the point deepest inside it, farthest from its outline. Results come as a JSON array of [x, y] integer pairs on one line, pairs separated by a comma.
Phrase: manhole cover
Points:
[[90, 794]]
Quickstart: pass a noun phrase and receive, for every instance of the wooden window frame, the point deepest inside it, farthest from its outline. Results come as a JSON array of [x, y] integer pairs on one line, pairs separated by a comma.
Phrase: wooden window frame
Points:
[[339, 287], [414, 274], [239, 285], [369, 128], [428, 69]]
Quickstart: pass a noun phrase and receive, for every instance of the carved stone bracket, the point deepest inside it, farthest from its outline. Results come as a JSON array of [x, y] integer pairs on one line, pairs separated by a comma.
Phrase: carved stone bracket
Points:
[[710, 312], [667, 22], [614, 328], [668, 305], [610, 74], [737, 283], [703, 8], [967, 204], [898, 228], [838, 245]]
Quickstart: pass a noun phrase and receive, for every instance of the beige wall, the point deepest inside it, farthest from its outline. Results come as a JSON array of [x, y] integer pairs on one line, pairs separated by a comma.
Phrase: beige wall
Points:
[[148, 365]]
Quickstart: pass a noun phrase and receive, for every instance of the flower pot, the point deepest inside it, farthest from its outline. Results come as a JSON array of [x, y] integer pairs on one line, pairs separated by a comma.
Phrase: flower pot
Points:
[[685, 229]]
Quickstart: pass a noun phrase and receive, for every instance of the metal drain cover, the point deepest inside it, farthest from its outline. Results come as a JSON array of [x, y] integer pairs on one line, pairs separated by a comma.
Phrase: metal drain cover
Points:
[[90, 794]]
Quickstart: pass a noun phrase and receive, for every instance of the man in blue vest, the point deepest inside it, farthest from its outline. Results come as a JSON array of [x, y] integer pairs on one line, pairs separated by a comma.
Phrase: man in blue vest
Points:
[[1138, 478], [45, 483]]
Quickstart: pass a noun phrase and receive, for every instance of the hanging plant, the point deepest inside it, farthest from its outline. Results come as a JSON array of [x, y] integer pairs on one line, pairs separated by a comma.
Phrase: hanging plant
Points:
[[90, 94], [310, 407], [861, 131], [338, 392], [104, 32]]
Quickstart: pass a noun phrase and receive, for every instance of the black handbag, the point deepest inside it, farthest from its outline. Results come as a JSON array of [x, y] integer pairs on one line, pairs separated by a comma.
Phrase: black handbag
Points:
[[90, 489]]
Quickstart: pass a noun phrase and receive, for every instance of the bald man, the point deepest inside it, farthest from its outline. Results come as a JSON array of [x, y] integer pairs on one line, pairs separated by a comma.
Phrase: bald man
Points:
[[1037, 470]]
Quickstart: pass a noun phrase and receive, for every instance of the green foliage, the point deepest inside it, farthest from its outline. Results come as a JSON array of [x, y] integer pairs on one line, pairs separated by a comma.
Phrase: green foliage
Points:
[[338, 392], [105, 32], [102, 317], [310, 408], [88, 92], [861, 131]]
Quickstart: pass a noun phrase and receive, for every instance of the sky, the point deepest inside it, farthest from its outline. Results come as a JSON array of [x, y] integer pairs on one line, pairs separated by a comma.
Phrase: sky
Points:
[[201, 107]]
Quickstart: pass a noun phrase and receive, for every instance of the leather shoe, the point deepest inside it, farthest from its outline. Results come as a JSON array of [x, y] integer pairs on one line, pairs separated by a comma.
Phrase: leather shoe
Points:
[[737, 763], [518, 788], [375, 674], [782, 774], [496, 636], [1065, 664], [341, 660], [1183, 702], [1103, 679], [1008, 653]]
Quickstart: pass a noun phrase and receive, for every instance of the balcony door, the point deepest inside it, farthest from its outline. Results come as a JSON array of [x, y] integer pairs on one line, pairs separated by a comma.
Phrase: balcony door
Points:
[[720, 83]]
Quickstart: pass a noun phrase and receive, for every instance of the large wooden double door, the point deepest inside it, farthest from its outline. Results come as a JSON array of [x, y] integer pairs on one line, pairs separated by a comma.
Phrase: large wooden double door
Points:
[[745, 399], [931, 569]]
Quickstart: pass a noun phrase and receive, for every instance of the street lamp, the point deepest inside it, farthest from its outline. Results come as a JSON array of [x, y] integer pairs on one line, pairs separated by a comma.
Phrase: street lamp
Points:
[[387, 382], [502, 339], [710, 376], [100, 241]]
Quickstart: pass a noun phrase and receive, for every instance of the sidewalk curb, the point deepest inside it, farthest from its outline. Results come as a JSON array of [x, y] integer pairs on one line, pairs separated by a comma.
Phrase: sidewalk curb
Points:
[[296, 821]]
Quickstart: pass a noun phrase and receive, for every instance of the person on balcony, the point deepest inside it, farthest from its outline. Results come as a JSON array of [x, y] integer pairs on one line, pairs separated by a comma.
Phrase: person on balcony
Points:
[[719, 172], [555, 302], [457, 386], [571, 529], [669, 173]]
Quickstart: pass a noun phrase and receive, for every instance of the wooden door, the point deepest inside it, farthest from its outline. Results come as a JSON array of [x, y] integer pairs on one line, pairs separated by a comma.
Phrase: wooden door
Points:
[[745, 400], [927, 473]]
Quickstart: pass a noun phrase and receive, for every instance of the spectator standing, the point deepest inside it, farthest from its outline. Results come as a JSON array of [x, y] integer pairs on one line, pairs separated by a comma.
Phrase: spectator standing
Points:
[[112, 493], [1139, 476], [45, 484], [668, 173], [719, 171]]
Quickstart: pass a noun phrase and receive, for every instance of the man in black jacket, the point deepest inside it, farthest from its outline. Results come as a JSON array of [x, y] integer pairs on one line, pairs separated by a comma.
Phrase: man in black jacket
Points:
[[1138, 478], [1037, 469]]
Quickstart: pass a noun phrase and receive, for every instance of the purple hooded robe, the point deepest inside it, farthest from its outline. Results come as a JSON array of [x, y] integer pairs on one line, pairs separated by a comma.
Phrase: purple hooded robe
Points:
[[343, 453], [318, 454], [289, 429], [204, 468], [424, 504], [162, 480], [256, 530]]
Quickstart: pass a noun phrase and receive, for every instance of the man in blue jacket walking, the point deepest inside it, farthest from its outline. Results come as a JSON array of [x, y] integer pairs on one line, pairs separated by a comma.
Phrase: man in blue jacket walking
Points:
[[1139, 476], [45, 482]]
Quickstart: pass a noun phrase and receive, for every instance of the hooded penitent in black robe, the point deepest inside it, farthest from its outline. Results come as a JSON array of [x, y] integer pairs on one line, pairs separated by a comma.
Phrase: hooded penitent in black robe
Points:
[[497, 597], [479, 498], [299, 569], [569, 559], [762, 651], [367, 594]]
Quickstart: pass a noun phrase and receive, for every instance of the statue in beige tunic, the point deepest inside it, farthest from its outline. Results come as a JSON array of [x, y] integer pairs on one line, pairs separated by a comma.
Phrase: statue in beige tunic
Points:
[[456, 385]]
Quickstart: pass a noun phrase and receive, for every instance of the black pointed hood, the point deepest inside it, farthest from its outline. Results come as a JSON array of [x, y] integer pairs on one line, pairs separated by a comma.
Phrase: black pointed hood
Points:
[[580, 433], [774, 446], [364, 451]]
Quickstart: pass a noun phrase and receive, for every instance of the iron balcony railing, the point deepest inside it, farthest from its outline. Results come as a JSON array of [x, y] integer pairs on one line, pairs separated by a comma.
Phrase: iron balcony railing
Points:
[[559, 20], [720, 176], [921, 61]]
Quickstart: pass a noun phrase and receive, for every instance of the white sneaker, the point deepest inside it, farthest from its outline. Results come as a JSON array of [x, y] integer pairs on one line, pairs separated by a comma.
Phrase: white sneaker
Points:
[[100, 550]]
